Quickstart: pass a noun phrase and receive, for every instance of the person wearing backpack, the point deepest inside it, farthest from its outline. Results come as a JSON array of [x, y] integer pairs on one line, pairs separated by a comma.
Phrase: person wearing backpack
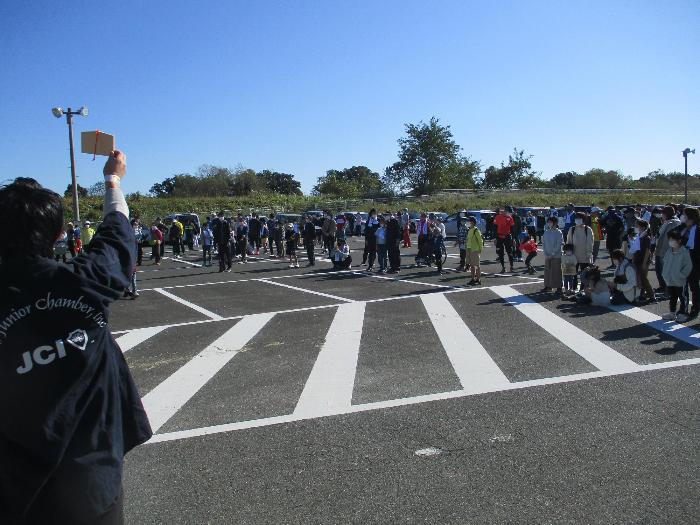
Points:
[[581, 237]]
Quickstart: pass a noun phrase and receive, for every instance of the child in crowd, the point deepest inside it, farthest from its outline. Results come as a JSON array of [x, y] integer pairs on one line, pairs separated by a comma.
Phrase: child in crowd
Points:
[[60, 248], [437, 242], [341, 257], [207, 243], [475, 245], [530, 248], [597, 289], [291, 246], [382, 251], [568, 268], [676, 268]]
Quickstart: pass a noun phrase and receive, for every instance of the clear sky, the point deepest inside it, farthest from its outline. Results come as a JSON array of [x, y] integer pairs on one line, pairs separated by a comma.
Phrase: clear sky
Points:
[[306, 86]]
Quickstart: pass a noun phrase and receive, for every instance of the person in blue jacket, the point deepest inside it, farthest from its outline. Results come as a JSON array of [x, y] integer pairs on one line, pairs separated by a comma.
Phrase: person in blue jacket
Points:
[[69, 408]]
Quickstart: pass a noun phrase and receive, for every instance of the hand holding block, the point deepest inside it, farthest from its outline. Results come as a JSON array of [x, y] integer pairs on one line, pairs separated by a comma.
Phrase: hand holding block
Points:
[[97, 143]]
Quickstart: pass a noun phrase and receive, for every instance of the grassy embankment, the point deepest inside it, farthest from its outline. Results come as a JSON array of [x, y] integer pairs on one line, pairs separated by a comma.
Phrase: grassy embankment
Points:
[[149, 207]]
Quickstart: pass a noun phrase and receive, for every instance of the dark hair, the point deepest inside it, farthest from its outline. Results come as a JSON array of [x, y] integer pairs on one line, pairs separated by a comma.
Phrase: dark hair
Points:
[[642, 224], [372, 211], [36, 215], [593, 274], [674, 234], [580, 215], [692, 214], [617, 254], [668, 211]]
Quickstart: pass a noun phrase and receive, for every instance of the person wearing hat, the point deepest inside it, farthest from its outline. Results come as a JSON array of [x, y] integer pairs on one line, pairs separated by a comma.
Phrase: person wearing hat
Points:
[[88, 234]]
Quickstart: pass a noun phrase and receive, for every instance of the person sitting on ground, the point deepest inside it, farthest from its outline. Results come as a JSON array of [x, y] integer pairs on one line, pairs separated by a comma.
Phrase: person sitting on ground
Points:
[[552, 240], [677, 266], [70, 410], [342, 260], [597, 290], [624, 285]]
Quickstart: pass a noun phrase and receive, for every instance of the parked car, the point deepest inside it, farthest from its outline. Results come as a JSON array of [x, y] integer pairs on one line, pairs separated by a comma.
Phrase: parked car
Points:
[[289, 217], [183, 218]]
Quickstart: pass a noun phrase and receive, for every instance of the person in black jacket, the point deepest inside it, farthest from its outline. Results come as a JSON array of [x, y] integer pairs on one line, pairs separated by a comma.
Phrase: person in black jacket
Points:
[[309, 236], [393, 237], [69, 408], [691, 240], [222, 239], [370, 252]]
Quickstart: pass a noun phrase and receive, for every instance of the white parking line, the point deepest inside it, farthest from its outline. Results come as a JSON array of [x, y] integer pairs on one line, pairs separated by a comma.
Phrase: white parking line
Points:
[[671, 328], [179, 259], [598, 354], [455, 394], [194, 307], [470, 360], [129, 340], [330, 384], [313, 292], [167, 398]]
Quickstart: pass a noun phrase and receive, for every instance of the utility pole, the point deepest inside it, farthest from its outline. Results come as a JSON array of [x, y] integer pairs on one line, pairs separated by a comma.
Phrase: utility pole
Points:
[[685, 156], [58, 113]]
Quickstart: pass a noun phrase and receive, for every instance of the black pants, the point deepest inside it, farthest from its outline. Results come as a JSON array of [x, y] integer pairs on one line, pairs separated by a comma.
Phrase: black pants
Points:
[[694, 287], [328, 243], [139, 254], [462, 258], [206, 254], [658, 268], [675, 293], [371, 251], [255, 241], [529, 258], [504, 246], [47, 512], [421, 256], [343, 265], [155, 252], [309, 245], [224, 257], [394, 256], [177, 242]]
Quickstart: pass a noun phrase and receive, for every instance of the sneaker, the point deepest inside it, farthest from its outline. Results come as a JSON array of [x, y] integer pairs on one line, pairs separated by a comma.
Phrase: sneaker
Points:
[[545, 290], [471, 282], [134, 295], [669, 316], [503, 269], [477, 282], [296, 265]]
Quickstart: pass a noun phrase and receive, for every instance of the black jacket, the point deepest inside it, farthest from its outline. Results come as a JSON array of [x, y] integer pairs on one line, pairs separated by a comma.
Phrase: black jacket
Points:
[[69, 409], [309, 232], [222, 231]]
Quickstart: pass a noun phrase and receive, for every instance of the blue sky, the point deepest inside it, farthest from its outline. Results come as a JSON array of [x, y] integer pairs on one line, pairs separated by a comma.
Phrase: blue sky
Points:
[[303, 87]]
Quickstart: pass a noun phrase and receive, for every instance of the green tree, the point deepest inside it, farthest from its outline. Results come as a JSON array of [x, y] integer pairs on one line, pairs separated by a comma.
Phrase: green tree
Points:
[[163, 189], [82, 192], [428, 156], [282, 183], [97, 189], [518, 173], [358, 181], [564, 180]]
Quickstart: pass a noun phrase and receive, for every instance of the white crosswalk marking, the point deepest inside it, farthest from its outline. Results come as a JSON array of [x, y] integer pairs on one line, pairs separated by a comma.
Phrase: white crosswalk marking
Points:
[[671, 328], [329, 387], [598, 354], [167, 398], [470, 360], [130, 339], [194, 307]]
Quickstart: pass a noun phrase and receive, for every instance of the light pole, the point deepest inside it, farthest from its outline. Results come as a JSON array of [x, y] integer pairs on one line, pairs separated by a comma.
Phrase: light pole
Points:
[[685, 156], [58, 113]]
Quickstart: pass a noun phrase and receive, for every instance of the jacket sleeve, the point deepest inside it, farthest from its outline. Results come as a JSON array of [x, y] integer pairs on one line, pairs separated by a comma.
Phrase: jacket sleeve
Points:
[[686, 264], [112, 257]]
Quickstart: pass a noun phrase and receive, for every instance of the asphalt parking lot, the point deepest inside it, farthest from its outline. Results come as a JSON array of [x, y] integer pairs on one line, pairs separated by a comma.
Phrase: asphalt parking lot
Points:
[[311, 396]]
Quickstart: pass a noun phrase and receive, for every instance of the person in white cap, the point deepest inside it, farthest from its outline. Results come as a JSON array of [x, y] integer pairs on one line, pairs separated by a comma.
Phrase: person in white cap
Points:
[[88, 234]]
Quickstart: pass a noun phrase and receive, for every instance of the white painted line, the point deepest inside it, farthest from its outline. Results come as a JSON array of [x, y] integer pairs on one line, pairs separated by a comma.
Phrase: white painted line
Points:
[[313, 292], [671, 328], [598, 354], [199, 265], [455, 394], [129, 340], [167, 398], [470, 360], [399, 280], [180, 300], [329, 386]]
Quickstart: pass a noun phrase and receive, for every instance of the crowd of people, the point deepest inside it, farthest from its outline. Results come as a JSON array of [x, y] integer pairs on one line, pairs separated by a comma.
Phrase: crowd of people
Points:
[[637, 239]]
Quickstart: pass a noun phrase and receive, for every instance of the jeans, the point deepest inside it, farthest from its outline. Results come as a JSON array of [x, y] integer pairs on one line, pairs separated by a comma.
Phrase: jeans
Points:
[[569, 282], [206, 254], [675, 293], [382, 256]]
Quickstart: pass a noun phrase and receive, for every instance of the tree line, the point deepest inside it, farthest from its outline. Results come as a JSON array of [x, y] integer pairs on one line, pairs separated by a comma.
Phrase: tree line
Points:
[[429, 160]]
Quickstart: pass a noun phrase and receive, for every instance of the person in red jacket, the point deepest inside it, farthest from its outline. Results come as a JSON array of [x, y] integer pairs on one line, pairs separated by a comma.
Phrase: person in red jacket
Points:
[[504, 237], [156, 241], [530, 248]]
